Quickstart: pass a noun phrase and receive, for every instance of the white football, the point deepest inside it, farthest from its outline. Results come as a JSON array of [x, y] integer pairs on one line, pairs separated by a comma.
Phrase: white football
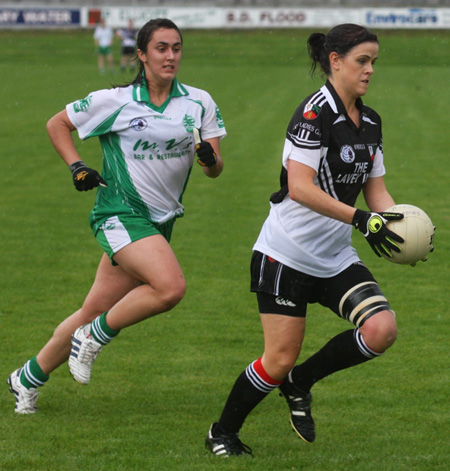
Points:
[[416, 229]]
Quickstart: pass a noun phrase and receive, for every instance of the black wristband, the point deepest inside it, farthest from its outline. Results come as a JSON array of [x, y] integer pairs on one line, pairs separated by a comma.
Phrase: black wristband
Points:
[[359, 214], [77, 165]]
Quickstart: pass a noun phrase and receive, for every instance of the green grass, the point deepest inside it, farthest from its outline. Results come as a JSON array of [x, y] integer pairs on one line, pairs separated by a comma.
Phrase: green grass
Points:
[[158, 387]]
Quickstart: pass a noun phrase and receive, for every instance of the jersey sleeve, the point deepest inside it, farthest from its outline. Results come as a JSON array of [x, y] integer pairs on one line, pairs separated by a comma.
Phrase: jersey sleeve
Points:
[[303, 141], [212, 121], [378, 169], [95, 115]]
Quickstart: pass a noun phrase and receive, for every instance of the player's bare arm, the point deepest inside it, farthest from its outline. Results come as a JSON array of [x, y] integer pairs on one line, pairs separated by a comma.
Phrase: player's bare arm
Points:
[[376, 195], [303, 190], [60, 129]]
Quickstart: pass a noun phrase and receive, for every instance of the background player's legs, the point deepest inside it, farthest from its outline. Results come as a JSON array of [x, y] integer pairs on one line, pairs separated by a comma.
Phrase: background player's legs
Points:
[[101, 63], [110, 60], [123, 62]]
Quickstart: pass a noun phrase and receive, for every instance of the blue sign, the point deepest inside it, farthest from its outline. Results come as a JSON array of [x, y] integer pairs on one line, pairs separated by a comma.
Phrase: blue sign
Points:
[[39, 17]]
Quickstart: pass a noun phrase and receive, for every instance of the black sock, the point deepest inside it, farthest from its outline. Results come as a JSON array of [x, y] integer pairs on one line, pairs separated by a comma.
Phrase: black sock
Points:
[[343, 351], [251, 387], [243, 398]]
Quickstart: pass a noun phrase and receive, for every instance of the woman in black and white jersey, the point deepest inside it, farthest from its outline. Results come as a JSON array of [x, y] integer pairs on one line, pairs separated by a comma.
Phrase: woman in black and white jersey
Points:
[[128, 37], [333, 151]]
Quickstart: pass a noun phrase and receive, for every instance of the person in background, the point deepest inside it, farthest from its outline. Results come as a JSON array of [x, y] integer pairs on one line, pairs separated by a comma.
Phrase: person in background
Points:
[[147, 131], [333, 151], [127, 36], [103, 39]]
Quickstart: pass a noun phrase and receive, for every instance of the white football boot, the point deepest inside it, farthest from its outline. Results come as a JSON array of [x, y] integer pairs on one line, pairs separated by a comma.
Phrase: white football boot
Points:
[[83, 354], [25, 398]]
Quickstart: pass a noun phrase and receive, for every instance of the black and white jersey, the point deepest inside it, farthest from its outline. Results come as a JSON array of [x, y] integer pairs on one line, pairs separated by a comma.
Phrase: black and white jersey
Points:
[[128, 37], [322, 136]]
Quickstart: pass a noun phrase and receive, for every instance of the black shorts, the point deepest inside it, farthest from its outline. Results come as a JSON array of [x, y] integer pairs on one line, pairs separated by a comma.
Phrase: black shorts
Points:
[[128, 51], [353, 294]]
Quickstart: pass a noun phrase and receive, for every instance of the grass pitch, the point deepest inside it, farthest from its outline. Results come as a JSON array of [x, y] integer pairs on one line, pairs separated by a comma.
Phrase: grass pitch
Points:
[[158, 387]]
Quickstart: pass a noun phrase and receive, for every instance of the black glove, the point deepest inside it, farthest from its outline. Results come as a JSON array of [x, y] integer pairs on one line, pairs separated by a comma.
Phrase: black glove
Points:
[[85, 178], [374, 229], [206, 155]]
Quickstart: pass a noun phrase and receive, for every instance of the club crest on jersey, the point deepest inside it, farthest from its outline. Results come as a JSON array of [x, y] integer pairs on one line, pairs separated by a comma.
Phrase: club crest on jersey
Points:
[[188, 123], [219, 118], [311, 111], [138, 124], [82, 105], [347, 154]]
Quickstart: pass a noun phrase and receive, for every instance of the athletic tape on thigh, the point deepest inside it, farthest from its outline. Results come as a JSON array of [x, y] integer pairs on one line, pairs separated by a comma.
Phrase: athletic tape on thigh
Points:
[[361, 302]]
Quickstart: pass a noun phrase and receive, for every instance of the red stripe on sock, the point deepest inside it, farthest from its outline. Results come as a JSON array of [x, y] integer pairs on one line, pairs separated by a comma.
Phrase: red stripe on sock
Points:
[[259, 368]]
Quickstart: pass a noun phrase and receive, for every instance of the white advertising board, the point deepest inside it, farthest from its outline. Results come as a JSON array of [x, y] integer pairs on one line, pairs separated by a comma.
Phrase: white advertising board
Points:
[[270, 18], [227, 18]]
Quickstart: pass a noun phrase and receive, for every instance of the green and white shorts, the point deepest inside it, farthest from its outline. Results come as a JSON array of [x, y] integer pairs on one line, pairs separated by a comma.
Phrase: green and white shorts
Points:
[[119, 231], [104, 51]]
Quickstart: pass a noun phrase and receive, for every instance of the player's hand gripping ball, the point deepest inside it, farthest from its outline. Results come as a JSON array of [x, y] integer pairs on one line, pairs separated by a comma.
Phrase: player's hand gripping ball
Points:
[[417, 229], [374, 228], [85, 178]]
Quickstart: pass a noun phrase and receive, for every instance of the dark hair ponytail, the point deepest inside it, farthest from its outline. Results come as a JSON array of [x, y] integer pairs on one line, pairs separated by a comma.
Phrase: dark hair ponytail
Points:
[[341, 39], [316, 50]]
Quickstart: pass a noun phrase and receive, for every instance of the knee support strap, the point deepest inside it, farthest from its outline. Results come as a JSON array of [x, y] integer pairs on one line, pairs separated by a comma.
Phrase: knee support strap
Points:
[[361, 302]]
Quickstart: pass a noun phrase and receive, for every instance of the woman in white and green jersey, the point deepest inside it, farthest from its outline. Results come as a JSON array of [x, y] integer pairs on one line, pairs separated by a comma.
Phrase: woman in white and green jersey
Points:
[[148, 134]]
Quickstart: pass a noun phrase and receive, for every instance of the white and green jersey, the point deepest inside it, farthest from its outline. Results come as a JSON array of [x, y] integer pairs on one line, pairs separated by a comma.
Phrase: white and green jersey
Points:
[[148, 151], [104, 36]]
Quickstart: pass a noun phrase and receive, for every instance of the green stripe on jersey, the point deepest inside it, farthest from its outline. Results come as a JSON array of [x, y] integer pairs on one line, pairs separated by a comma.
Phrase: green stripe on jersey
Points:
[[107, 124], [120, 191], [201, 104]]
